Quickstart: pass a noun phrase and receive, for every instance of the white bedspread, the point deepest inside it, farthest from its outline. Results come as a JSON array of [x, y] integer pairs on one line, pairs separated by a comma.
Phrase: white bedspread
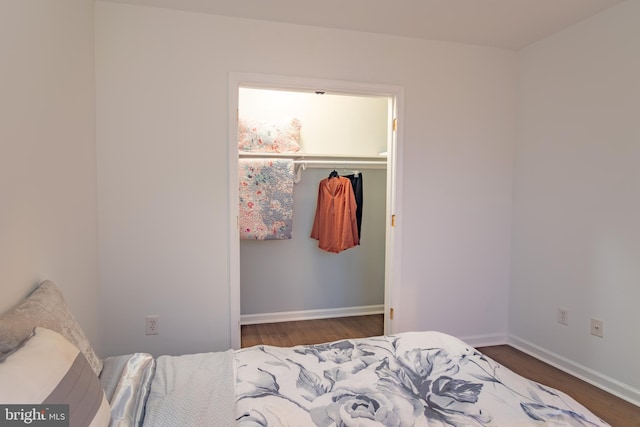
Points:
[[408, 380], [420, 379], [192, 390]]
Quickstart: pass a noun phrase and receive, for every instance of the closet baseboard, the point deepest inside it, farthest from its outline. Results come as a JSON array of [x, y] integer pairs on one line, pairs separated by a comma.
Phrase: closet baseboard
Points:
[[292, 316]]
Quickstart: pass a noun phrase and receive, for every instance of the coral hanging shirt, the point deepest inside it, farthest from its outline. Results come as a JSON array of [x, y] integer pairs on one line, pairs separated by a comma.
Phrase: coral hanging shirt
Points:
[[335, 226]]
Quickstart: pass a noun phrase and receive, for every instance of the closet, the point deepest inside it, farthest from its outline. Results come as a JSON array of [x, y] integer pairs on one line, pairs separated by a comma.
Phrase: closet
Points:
[[292, 278]]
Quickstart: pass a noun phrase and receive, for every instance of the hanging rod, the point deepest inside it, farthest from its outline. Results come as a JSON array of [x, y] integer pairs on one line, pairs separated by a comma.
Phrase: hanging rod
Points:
[[325, 160], [342, 163]]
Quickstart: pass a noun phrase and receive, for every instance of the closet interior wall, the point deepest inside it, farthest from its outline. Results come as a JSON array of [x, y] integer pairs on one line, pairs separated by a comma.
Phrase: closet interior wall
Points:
[[285, 276]]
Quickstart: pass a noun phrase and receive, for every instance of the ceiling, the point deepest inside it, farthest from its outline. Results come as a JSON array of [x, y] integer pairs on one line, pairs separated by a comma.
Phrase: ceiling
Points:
[[509, 24]]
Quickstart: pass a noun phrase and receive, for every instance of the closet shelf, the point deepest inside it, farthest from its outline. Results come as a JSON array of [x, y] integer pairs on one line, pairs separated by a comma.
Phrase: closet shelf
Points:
[[325, 160]]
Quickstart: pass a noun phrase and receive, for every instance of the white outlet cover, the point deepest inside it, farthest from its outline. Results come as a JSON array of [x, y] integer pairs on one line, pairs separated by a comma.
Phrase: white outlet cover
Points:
[[597, 328], [563, 316], [151, 324]]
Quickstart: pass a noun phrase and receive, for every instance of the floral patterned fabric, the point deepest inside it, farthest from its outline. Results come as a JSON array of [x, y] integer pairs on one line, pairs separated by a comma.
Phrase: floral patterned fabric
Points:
[[269, 137], [411, 379], [266, 199]]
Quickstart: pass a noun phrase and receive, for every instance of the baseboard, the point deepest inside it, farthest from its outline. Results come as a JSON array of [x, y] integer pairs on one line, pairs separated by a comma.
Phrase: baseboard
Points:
[[291, 316], [485, 340], [608, 384]]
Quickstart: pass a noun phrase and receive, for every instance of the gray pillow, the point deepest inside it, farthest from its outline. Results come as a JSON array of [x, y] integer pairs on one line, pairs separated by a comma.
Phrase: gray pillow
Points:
[[46, 308]]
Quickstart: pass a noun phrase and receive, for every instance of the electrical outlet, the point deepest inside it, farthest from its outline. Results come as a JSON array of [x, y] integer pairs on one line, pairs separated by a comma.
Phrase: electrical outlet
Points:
[[597, 328], [151, 324], [563, 316]]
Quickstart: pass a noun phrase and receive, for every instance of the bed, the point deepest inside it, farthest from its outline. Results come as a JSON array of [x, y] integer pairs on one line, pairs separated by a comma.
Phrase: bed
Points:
[[409, 379]]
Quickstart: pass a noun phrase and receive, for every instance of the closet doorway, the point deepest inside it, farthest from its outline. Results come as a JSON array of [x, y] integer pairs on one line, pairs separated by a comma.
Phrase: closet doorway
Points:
[[348, 127]]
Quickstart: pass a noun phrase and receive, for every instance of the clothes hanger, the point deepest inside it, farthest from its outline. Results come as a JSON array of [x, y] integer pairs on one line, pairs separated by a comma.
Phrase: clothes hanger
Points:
[[333, 174]]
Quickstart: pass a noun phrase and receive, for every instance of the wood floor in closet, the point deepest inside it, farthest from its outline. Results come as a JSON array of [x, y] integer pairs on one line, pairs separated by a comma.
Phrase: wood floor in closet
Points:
[[615, 411], [287, 334]]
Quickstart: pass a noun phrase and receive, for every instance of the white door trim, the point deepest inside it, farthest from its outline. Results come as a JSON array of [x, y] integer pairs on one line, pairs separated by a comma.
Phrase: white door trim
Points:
[[394, 180]]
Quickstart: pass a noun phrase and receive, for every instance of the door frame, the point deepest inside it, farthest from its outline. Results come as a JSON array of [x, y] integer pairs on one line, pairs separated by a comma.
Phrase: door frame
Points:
[[394, 181]]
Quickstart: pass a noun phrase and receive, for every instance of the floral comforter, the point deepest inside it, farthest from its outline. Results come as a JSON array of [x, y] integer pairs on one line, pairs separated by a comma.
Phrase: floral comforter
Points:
[[411, 379]]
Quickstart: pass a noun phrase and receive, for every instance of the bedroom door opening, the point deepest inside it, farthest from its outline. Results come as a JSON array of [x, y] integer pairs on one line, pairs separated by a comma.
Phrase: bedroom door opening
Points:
[[347, 127]]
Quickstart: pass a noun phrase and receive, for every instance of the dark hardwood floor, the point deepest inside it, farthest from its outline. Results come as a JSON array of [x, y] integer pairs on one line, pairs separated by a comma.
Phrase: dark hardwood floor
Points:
[[615, 411], [287, 334]]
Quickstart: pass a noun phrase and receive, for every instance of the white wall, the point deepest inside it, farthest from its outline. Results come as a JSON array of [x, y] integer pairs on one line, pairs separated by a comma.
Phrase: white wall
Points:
[[577, 204], [332, 123], [48, 213], [162, 84]]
